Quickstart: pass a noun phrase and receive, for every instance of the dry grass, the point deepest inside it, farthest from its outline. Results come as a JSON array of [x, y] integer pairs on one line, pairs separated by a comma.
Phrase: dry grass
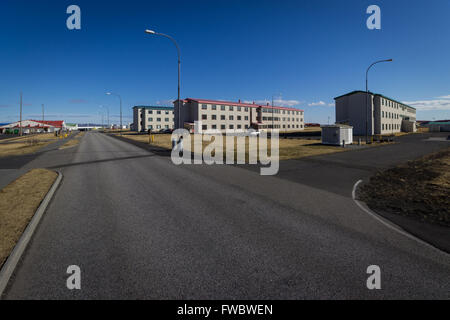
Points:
[[288, 148], [73, 142], [419, 189], [18, 203], [25, 145]]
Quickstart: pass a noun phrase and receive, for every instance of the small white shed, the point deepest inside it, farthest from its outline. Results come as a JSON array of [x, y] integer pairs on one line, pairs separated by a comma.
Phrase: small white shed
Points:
[[336, 134]]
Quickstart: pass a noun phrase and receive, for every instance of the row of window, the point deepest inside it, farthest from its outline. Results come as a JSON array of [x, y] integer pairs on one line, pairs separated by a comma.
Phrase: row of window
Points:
[[232, 127], [281, 119], [222, 117], [391, 126], [246, 109], [159, 119], [157, 112], [277, 126], [390, 115]]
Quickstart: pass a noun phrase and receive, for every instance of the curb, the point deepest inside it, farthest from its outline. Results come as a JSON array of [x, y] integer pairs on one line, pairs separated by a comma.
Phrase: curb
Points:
[[389, 224], [11, 263]]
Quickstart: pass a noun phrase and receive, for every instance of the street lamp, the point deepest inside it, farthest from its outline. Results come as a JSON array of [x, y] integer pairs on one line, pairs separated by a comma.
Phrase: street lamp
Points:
[[151, 32], [367, 96], [120, 98]]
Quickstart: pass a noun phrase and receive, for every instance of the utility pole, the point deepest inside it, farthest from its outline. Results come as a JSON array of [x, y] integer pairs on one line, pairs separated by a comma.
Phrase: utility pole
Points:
[[20, 123]]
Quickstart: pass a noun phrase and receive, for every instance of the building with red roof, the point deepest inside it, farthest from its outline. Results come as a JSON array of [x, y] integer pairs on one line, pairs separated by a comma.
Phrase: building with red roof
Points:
[[217, 115]]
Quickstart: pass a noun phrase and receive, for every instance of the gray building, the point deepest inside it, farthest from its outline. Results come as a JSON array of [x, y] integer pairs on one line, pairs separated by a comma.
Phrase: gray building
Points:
[[384, 115], [152, 117]]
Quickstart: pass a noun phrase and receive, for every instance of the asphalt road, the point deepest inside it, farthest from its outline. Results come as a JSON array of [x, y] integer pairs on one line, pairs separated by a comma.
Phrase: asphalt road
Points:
[[141, 228]]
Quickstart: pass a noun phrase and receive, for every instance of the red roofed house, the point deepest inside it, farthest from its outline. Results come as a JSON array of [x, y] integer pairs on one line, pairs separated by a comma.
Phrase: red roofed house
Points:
[[34, 126], [216, 115]]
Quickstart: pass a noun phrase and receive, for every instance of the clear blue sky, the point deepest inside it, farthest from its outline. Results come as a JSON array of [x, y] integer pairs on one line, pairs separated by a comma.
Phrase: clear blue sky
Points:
[[310, 51]]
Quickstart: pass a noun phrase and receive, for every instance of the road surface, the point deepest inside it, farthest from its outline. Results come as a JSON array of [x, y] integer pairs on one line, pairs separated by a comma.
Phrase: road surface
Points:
[[141, 228]]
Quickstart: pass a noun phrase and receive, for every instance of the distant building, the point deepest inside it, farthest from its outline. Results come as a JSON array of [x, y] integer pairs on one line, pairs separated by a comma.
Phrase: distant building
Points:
[[384, 115], [152, 118], [33, 126], [216, 115]]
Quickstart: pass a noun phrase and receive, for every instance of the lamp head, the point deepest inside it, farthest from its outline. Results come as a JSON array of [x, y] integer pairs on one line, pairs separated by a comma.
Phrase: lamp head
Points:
[[150, 31]]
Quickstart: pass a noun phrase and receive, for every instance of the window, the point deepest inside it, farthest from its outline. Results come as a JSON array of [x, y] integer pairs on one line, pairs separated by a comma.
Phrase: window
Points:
[[150, 127], [231, 126], [214, 107], [231, 108], [231, 118], [246, 117], [150, 119], [166, 126], [246, 109], [158, 112], [204, 127], [150, 111], [239, 109], [214, 117], [159, 119], [222, 108], [239, 118], [239, 126], [204, 107], [166, 119], [214, 126], [167, 112], [222, 127], [204, 117], [222, 117], [246, 126]]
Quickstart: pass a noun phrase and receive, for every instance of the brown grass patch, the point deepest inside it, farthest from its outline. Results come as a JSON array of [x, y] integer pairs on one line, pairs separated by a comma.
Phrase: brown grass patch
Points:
[[289, 148], [18, 203], [419, 189], [73, 142], [26, 145]]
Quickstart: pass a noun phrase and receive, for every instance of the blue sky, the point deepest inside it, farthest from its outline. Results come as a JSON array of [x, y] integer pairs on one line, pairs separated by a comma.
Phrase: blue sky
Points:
[[309, 51]]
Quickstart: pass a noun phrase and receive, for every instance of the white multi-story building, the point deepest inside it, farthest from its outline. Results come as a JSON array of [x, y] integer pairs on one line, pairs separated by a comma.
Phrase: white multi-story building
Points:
[[152, 118], [383, 115], [214, 115]]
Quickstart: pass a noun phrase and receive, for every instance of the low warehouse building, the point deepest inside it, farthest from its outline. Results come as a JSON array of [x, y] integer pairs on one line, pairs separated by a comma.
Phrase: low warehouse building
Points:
[[337, 134]]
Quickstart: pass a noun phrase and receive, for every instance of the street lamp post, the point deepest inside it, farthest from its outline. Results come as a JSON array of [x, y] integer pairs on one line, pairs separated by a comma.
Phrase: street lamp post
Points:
[[179, 69], [367, 96], [120, 98]]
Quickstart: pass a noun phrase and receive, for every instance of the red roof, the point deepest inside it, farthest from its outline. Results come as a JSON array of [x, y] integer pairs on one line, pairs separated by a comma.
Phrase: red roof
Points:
[[239, 104], [57, 124]]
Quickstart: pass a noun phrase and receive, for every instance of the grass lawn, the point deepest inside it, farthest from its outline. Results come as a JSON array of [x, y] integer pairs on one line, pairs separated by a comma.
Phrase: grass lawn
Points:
[[25, 145], [73, 142], [289, 148], [18, 203]]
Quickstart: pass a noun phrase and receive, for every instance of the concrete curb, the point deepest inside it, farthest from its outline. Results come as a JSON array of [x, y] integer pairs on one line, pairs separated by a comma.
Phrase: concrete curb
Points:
[[389, 224], [11, 263]]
